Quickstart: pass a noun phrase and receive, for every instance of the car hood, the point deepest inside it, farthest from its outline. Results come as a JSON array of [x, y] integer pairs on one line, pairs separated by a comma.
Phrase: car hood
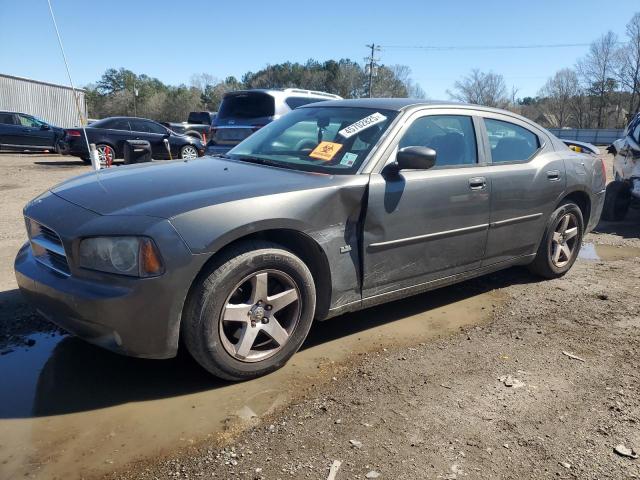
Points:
[[170, 188]]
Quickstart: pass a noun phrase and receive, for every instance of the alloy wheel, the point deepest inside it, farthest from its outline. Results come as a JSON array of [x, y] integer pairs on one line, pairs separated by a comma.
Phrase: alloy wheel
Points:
[[189, 153], [260, 316], [563, 243], [105, 155]]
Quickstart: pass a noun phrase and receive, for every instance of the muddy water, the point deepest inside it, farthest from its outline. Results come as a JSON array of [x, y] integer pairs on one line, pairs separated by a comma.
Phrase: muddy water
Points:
[[608, 253], [68, 409]]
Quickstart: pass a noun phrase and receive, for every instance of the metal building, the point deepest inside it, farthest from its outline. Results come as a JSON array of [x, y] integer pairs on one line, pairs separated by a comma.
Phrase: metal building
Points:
[[53, 103]]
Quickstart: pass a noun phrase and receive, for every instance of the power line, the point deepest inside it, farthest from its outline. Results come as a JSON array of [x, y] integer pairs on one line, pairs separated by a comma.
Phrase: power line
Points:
[[485, 47], [372, 64]]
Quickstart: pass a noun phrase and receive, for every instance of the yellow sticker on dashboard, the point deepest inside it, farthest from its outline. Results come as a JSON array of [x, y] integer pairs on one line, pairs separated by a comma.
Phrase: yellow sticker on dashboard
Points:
[[325, 151]]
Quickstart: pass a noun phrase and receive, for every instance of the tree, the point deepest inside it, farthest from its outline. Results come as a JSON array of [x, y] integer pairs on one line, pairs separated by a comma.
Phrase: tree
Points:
[[481, 88], [597, 72], [628, 59], [558, 93]]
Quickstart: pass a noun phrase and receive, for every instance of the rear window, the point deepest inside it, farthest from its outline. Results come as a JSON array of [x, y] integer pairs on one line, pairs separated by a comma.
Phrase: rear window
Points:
[[247, 105], [202, 118]]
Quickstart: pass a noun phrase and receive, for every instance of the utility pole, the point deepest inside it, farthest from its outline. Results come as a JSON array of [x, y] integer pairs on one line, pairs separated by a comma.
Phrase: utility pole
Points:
[[372, 64], [135, 94]]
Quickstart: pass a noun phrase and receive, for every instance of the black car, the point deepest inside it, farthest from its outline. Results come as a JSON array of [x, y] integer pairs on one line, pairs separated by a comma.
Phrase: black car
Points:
[[19, 131], [198, 125], [109, 135]]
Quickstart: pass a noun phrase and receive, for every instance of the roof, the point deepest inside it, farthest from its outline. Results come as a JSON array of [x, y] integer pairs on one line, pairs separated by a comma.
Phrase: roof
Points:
[[389, 103], [30, 80]]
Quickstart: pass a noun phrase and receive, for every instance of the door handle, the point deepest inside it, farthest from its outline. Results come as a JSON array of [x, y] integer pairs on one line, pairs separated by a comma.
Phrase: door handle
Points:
[[554, 175], [477, 183]]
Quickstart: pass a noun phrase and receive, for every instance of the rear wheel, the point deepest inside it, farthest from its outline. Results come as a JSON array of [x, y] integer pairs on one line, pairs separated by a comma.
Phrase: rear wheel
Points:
[[106, 154], [250, 312], [616, 201], [561, 242]]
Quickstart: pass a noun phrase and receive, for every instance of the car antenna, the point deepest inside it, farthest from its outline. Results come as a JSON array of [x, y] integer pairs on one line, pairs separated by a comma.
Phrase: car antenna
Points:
[[95, 161]]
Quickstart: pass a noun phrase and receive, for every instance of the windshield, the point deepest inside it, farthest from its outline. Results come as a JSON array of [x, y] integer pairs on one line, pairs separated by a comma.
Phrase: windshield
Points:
[[317, 139]]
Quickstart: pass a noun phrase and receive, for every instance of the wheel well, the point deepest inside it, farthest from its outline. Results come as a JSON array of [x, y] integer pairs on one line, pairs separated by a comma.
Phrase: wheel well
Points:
[[584, 203], [304, 247]]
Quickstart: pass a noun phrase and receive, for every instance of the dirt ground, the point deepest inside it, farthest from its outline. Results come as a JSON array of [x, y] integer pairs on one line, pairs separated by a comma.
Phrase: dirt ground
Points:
[[518, 379]]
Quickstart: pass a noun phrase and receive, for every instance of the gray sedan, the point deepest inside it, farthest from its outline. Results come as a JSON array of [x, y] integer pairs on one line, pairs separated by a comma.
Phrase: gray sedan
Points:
[[334, 207]]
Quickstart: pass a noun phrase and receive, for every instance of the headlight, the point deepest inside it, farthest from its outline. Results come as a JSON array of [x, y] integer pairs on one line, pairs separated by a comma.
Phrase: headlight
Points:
[[133, 256]]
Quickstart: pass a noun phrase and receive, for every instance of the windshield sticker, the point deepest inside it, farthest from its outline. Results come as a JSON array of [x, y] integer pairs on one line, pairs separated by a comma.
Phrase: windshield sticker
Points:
[[366, 122], [325, 151], [348, 159]]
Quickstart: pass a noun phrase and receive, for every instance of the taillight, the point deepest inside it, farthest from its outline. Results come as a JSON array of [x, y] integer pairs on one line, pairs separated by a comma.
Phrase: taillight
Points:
[[74, 133]]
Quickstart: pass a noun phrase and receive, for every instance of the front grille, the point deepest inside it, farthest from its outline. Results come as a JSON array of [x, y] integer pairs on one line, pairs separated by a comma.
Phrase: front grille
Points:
[[47, 247]]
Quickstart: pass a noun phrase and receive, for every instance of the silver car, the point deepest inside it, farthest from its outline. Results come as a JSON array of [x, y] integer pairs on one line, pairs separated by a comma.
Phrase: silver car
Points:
[[332, 208]]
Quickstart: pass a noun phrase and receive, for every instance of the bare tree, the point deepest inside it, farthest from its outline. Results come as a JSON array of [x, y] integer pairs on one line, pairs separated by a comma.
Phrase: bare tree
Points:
[[482, 89], [597, 72], [628, 59], [558, 93]]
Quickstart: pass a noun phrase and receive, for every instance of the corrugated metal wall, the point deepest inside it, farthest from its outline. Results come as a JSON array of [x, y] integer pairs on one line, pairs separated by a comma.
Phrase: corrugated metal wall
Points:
[[596, 136], [52, 103]]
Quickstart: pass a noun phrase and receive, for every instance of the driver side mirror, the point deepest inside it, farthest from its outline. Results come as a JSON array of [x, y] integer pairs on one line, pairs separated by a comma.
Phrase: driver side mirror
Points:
[[415, 158], [44, 126]]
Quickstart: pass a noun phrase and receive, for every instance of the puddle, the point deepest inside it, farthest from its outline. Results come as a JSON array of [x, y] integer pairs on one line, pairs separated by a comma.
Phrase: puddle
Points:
[[69, 409], [607, 253]]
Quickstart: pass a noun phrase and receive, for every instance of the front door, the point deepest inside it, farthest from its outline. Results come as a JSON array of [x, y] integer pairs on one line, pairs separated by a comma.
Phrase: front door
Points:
[[423, 225], [154, 133], [35, 133]]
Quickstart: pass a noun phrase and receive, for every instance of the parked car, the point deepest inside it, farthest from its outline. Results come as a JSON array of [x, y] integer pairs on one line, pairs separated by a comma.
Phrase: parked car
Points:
[[198, 125], [244, 112], [109, 135], [625, 188], [19, 132], [332, 208]]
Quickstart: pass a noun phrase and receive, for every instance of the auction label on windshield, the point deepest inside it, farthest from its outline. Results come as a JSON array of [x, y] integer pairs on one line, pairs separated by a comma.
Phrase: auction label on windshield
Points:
[[325, 151], [363, 124]]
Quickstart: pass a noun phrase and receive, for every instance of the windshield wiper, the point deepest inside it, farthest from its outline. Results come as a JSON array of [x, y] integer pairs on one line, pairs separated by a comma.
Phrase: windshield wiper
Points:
[[252, 159]]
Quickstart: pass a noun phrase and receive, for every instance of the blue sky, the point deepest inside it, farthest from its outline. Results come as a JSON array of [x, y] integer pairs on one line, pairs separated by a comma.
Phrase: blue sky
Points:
[[173, 40]]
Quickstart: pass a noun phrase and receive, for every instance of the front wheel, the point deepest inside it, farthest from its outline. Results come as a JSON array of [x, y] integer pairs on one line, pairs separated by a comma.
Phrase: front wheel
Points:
[[250, 312], [561, 242], [188, 152]]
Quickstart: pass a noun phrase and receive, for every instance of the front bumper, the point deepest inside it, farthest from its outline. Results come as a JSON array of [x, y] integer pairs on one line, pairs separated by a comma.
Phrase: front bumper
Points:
[[138, 317], [127, 320]]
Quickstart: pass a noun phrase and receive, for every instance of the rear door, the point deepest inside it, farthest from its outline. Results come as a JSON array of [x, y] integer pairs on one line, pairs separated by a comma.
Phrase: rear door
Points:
[[424, 225], [9, 129], [527, 178]]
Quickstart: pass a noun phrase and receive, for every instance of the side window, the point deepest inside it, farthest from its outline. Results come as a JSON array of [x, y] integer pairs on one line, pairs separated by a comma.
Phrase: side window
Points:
[[636, 133], [295, 102], [510, 142], [118, 125], [155, 128], [7, 119], [28, 121], [451, 136], [139, 126]]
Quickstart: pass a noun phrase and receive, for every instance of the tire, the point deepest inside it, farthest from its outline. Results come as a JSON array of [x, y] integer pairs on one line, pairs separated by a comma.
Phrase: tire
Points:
[[188, 152], [231, 289], [616, 201], [561, 242]]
